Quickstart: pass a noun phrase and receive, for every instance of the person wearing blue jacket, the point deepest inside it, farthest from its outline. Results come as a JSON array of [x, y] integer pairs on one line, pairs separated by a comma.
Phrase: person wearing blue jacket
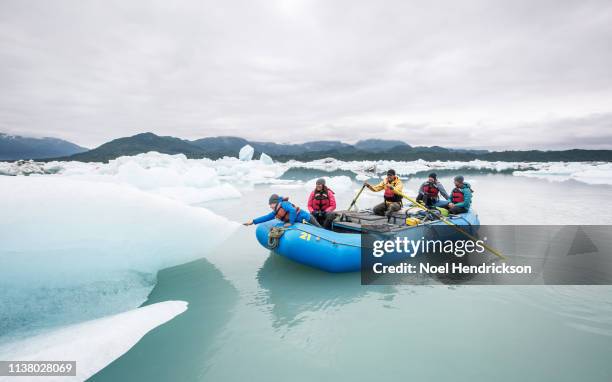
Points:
[[461, 196], [285, 211]]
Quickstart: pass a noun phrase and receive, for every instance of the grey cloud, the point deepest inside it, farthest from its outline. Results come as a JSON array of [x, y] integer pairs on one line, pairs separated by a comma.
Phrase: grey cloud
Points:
[[592, 131], [469, 74]]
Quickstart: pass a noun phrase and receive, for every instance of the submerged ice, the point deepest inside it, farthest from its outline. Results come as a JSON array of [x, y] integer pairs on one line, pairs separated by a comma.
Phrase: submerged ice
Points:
[[92, 344], [80, 245]]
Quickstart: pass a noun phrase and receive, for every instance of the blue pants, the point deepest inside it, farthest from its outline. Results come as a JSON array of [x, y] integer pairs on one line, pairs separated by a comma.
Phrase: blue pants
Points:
[[441, 203]]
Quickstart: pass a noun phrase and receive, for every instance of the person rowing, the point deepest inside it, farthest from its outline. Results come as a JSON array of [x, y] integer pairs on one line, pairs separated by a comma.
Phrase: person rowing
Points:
[[392, 201]]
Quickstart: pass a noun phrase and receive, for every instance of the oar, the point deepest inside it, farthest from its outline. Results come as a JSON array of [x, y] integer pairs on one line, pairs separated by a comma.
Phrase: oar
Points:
[[455, 226], [356, 197]]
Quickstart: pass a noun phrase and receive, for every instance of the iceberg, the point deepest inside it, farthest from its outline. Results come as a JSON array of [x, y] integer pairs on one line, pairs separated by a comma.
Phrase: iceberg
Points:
[[172, 176], [246, 153], [64, 229], [266, 159], [25, 167], [585, 172], [158, 173], [91, 344], [589, 173], [192, 195], [152, 171], [82, 245]]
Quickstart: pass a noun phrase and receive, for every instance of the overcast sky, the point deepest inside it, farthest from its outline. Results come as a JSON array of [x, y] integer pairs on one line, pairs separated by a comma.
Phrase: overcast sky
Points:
[[483, 74]]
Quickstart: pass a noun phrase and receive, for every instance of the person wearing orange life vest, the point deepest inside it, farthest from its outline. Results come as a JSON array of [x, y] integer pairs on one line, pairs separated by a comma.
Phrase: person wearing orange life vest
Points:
[[284, 211], [461, 197], [430, 192], [393, 201], [322, 204]]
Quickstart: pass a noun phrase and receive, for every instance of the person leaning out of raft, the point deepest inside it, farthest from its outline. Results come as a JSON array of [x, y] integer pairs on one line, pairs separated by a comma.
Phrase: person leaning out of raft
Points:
[[430, 192], [460, 198], [393, 201], [322, 204], [284, 211]]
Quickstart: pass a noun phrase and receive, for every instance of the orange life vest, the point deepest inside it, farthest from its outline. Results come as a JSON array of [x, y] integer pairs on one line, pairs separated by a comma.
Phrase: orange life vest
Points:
[[282, 214], [431, 190], [457, 196], [321, 199], [391, 196]]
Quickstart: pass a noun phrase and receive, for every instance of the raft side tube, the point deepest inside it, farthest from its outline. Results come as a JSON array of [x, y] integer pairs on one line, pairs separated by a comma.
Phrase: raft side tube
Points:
[[341, 252]]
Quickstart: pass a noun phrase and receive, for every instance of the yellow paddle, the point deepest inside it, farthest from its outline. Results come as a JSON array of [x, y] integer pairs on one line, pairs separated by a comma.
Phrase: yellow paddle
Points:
[[356, 197], [455, 226]]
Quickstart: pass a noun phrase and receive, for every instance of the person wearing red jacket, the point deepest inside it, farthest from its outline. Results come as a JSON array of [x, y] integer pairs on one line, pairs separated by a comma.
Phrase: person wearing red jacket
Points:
[[322, 204]]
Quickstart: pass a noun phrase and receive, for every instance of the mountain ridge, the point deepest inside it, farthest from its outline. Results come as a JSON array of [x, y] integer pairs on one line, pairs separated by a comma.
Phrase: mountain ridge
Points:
[[372, 149], [14, 147]]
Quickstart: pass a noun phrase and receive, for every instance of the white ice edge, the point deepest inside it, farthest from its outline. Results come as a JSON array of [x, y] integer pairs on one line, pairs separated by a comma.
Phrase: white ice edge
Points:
[[92, 344]]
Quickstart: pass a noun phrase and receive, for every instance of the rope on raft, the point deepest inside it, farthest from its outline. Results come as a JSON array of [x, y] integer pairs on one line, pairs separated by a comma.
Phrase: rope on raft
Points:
[[277, 232], [274, 236]]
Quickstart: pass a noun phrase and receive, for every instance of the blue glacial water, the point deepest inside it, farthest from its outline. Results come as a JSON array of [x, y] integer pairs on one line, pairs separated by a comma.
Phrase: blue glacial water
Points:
[[255, 316]]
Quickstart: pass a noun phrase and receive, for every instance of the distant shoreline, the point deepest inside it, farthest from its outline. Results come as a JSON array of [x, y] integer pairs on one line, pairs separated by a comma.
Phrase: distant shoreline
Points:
[[575, 155], [370, 150]]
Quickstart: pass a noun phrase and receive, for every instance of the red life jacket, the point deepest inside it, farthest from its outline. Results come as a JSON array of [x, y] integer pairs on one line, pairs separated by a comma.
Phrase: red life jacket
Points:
[[282, 214], [431, 190], [391, 196], [457, 196], [321, 199]]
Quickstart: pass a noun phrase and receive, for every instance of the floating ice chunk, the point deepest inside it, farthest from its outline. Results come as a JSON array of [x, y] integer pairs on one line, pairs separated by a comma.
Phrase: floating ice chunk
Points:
[[60, 233], [246, 153], [247, 172], [595, 174], [589, 173], [586, 172], [173, 176], [92, 344], [152, 171], [25, 167], [56, 229], [266, 159], [362, 177], [192, 195]]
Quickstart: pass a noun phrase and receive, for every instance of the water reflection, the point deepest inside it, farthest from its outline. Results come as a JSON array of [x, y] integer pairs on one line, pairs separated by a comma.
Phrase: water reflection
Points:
[[302, 173], [182, 347], [292, 290]]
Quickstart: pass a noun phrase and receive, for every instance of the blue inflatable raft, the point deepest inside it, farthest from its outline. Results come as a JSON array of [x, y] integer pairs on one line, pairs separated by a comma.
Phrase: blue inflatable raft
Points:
[[339, 249]]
